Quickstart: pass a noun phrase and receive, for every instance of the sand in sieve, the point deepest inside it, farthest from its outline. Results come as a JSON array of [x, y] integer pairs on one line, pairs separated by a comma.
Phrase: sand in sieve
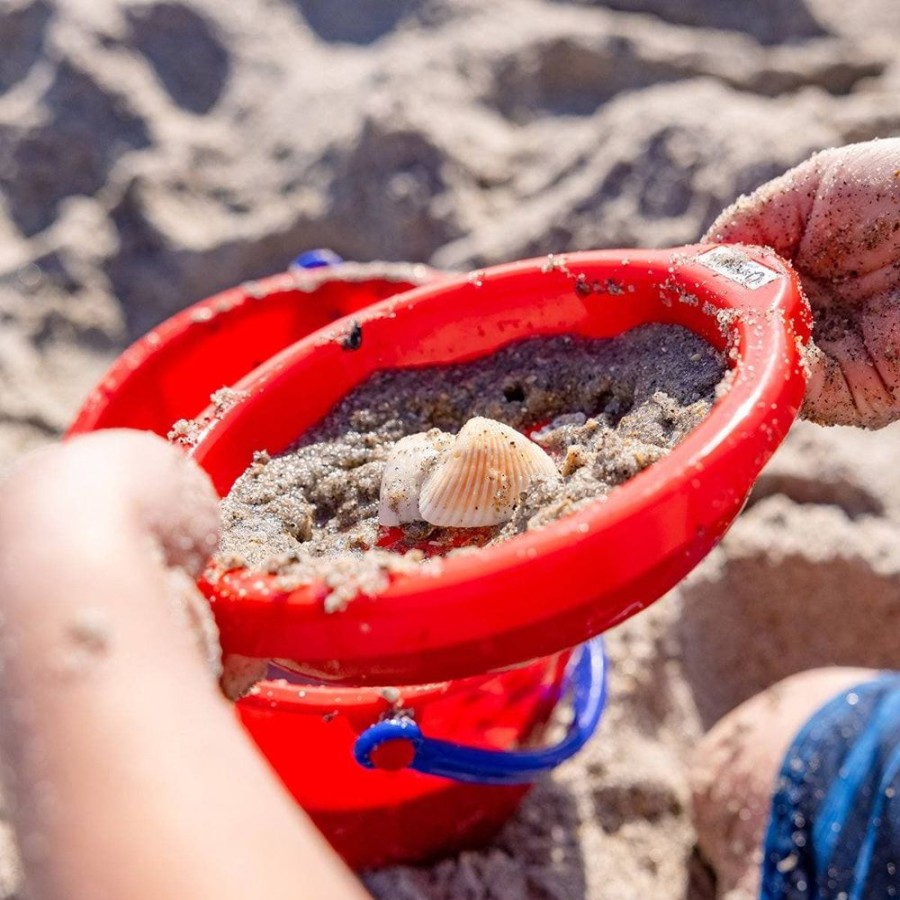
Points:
[[604, 409]]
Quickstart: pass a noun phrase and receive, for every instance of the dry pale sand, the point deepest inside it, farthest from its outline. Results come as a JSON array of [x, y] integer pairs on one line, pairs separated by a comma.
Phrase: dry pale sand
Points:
[[154, 152]]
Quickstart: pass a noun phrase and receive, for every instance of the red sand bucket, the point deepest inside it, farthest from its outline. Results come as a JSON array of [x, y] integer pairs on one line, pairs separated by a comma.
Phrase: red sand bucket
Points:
[[386, 776], [555, 587], [366, 774]]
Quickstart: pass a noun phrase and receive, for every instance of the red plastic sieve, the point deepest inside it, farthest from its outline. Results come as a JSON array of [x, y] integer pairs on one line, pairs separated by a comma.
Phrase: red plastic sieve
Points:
[[553, 588]]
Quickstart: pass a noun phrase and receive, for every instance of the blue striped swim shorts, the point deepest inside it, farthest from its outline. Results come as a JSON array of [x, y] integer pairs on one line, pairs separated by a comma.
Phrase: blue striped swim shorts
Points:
[[834, 825]]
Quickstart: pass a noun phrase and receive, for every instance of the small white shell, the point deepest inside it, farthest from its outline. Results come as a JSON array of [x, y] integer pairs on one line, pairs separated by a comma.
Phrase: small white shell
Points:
[[478, 482], [408, 465]]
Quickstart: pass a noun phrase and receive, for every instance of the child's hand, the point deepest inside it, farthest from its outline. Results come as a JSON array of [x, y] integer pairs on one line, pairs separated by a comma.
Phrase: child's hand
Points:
[[127, 771], [836, 217]]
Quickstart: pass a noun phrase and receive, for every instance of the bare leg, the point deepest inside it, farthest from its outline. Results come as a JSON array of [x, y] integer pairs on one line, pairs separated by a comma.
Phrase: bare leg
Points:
[[127, 771], [735, 769]]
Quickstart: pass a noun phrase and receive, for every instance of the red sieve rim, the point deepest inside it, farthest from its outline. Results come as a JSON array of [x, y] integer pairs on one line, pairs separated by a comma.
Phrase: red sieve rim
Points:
[[553, 588]]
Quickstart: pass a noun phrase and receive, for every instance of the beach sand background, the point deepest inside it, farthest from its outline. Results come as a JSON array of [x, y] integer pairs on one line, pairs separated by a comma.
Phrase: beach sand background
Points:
[[152, 153]]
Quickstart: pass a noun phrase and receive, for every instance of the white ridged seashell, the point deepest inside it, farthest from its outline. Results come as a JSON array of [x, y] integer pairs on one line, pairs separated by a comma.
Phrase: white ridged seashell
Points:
[[409, 463], [479, 480]]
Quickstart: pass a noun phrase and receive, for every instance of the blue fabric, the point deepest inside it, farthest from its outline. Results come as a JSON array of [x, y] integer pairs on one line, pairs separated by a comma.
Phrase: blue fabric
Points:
[[834, 825]]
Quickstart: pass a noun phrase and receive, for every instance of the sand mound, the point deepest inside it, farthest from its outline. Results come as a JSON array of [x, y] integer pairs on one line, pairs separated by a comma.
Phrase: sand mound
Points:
[[154, 152]]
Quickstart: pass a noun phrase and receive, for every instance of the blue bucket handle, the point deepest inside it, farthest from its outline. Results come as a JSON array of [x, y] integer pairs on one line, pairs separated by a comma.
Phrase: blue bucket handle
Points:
[[585, 676], [316, 259]]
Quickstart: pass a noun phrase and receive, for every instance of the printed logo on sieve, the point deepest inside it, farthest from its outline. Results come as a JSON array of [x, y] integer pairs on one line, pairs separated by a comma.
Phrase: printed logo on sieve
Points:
[[735, 266]]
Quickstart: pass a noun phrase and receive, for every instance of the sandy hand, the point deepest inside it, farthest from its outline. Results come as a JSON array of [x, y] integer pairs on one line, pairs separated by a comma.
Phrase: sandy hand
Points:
[[115, 736], [836, 217], [119, 508]]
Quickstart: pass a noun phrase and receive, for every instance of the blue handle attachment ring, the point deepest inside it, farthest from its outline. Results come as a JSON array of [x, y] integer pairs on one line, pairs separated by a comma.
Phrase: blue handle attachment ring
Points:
[[585, 677], [316, 259]]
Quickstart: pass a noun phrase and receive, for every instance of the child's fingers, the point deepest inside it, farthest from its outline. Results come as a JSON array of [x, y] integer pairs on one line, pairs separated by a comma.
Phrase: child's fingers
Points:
[[837, 218], [101, 513]]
